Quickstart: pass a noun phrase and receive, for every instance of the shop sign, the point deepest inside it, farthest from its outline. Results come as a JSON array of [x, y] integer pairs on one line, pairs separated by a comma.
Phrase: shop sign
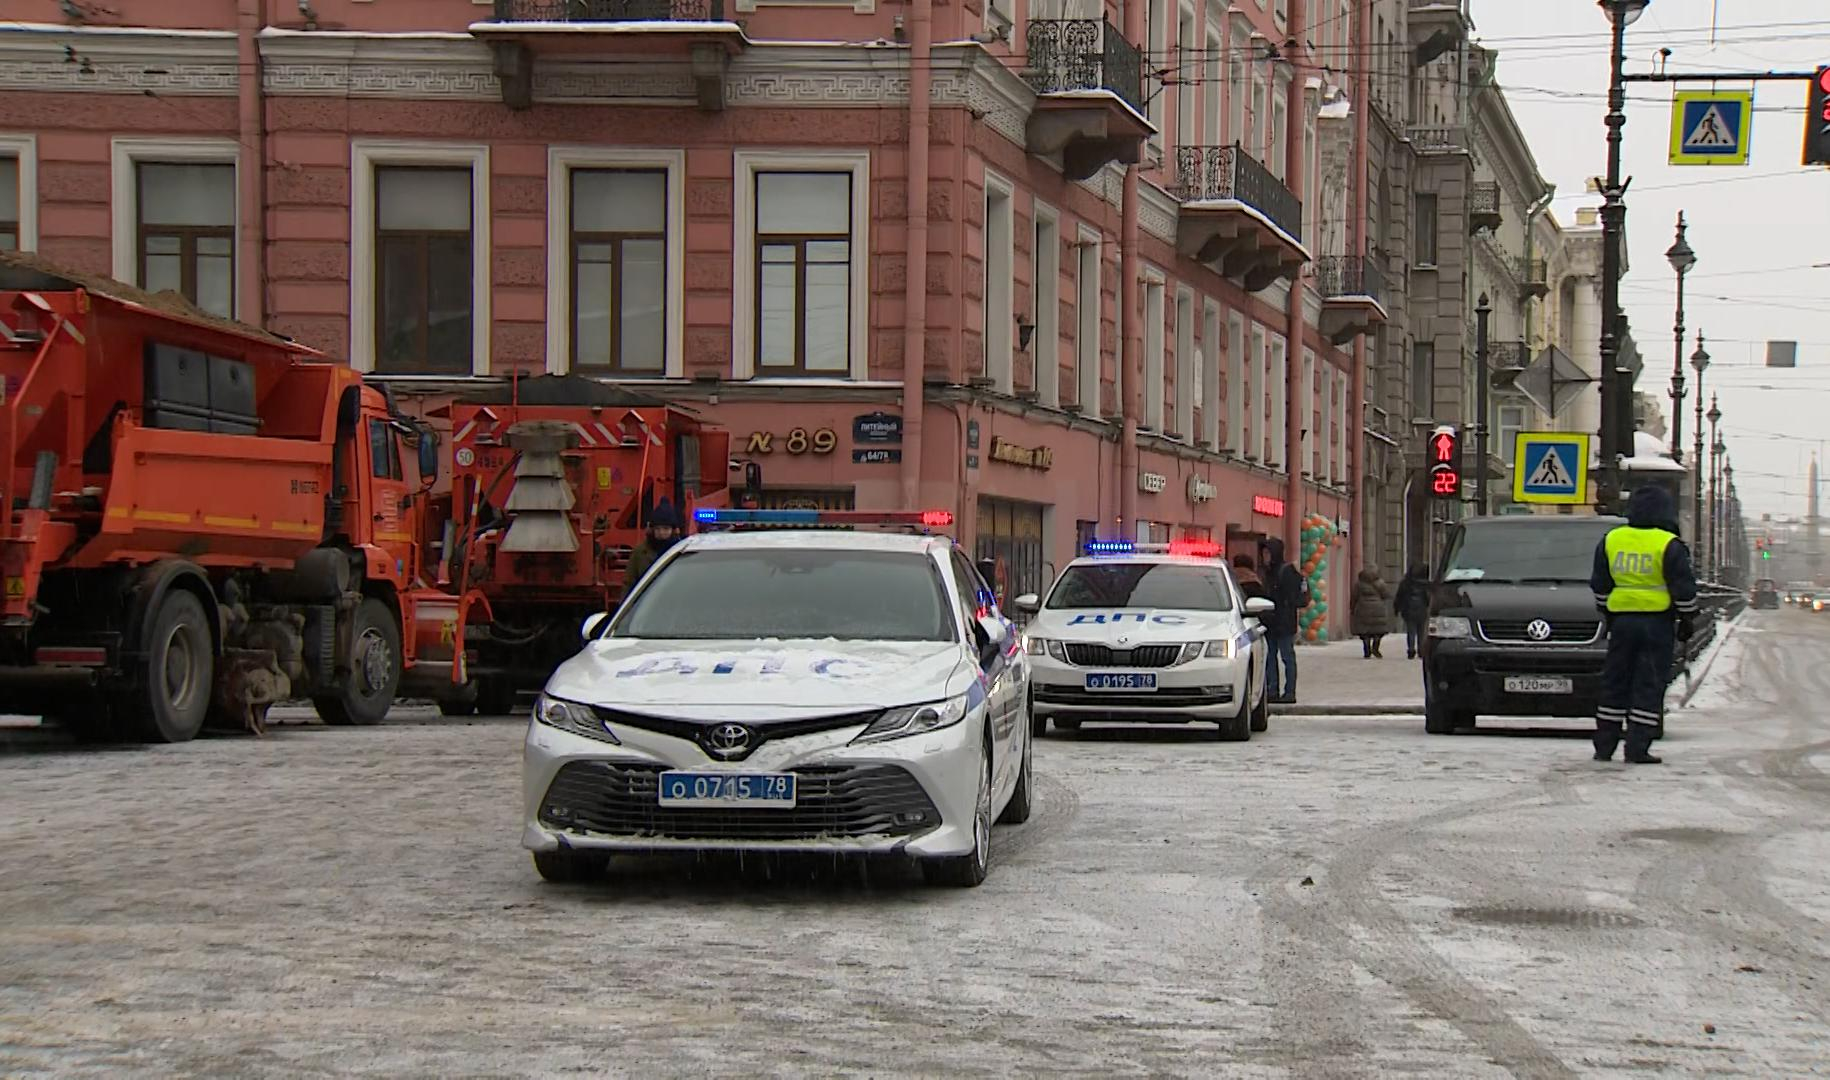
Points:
[[796, 441], [876, 455], [1267, 505], [876, 427], [1200, 491], [1151, 483], [1030, 457]]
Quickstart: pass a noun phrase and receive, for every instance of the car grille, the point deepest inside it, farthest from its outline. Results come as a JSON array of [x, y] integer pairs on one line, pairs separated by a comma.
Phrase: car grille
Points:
[[1562, 632], [1576, 663], [758, 733], [1161, 698], [1144, 656], [623, 800]]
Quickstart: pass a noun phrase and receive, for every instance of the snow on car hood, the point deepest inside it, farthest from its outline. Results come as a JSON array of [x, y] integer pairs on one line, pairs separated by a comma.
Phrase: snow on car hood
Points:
[[764, 679], [1141, 626]]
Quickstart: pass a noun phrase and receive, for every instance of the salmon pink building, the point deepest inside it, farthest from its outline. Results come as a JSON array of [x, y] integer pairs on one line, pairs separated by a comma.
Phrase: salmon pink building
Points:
[[1069, 270]]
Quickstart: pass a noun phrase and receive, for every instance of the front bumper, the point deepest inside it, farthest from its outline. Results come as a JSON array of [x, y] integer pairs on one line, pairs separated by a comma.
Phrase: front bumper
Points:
[[1204, 689], [1470, 675], [912, 796]]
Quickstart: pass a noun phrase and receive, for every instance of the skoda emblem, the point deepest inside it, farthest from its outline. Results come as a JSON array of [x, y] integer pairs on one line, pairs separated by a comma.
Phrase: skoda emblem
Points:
[[1538, 630], [1123, 639], [729, 739]]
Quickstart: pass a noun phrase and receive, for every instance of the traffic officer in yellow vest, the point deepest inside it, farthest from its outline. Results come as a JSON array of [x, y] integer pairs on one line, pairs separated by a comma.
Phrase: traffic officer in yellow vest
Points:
[[1644, 583]]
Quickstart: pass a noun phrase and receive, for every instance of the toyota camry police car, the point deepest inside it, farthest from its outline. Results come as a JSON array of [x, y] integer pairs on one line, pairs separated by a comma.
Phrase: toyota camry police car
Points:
[[787, 690], [1152, 633]]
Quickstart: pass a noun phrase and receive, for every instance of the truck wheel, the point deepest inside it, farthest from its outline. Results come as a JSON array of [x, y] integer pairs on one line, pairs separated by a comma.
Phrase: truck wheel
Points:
[[180, 669], [374, 670]]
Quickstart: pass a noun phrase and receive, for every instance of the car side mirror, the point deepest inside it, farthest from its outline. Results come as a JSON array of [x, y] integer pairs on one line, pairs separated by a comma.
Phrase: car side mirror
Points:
[[1258, 607], [592, 624], [992, 634], [1029, 603]]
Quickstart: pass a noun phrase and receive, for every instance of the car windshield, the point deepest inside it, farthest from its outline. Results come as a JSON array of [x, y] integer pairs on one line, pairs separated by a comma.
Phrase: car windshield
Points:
[[1525, 553], [792, 593], [1144, 585]]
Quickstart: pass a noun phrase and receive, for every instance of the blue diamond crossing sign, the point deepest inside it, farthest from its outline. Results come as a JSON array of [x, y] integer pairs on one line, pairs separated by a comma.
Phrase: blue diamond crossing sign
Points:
[[1550, 467], [1711, 127]]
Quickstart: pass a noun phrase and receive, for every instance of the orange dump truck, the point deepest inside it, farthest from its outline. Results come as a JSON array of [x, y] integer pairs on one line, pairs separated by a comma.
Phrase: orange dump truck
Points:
[[201, 520]]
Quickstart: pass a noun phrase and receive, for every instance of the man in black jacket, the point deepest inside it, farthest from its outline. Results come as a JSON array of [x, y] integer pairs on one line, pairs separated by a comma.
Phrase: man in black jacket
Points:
[[1284, 586]]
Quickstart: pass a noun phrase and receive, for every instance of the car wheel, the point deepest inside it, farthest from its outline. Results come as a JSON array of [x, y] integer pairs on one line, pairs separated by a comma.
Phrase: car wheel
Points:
[[570, 867], [1236, 728], [1016, 811], [1038, 722], [1261, 708], [968, 870]]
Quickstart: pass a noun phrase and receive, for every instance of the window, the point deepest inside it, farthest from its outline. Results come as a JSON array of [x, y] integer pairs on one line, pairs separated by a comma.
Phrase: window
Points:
[[1426, 229], [1086, 328], [1188, 73], [1000, 283], [384, 451], [9, 204], [1255, 135], [419, 272], [1423, 374], [619, 270], [1252, 426], [423, 269], [1237, 72], [186, 235], [1213, 79], [803, 272], [1235, 385], [1187, 384], [18, 192], [1277, 388], [1307, 412], [1207, 380], [1280, 130], [1046, 291], [1511, 422], [1142, 585], [1153, 353], [1154, 47]]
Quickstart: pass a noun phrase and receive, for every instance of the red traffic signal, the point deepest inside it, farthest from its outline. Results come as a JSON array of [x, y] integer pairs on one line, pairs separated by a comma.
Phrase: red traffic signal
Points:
[[1817, 119], [1445, 463]]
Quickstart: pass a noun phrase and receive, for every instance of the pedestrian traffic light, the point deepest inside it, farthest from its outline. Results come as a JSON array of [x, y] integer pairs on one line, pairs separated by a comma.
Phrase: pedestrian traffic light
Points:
[[1817, 119], [1445, 463]]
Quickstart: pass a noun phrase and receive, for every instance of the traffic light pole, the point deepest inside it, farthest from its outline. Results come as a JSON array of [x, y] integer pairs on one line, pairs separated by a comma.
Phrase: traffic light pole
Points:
[[1482, 312]]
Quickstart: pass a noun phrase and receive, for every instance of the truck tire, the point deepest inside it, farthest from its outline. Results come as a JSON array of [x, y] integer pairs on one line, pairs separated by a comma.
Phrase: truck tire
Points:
[[368, 687], [180, 671]]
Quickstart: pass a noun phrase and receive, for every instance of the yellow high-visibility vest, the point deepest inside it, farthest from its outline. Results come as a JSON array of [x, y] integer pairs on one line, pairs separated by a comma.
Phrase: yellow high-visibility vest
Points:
[[1636, 559]]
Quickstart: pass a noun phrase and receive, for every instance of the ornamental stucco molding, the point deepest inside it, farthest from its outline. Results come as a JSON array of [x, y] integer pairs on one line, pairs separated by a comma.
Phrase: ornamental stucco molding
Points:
[[61, 59]]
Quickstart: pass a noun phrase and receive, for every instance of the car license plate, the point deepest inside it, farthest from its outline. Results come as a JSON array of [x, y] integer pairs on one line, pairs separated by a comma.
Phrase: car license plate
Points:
[[1539, 684], [774, 791], [1121, 680]]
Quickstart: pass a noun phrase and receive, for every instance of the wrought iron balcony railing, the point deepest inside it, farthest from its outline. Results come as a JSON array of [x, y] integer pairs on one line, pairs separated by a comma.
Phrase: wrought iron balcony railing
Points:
[[1437, 139], [1068, 55], [1532, 272], [1228, 172], [589, 11], [1484, 199], [1350, 275]]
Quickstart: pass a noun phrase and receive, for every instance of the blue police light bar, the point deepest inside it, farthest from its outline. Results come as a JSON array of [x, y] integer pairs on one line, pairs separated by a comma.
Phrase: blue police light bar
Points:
[[1110, 547], [717, 516]]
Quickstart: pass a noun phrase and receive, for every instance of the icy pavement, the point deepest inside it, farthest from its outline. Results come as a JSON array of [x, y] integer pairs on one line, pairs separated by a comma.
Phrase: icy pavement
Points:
[[1339, 896]]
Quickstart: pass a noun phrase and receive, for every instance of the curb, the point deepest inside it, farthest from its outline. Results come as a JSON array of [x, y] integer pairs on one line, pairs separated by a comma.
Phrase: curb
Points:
[[1708, 661]]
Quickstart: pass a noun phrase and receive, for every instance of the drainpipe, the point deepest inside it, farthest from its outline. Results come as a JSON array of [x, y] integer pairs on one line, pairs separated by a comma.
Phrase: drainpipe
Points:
[[1131, 347], [915, 287], [1297, 413], [1358, 243], [251, 177]]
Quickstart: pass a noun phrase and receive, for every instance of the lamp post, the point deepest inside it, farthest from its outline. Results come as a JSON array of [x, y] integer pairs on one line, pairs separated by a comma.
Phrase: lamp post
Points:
[[1729, 559], [1482, 312], [1715, 458], [1616, 385], [1681, 259], [1700, 361]]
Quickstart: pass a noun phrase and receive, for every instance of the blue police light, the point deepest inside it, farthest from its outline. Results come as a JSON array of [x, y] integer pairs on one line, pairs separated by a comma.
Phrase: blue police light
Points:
[[1110, 547]]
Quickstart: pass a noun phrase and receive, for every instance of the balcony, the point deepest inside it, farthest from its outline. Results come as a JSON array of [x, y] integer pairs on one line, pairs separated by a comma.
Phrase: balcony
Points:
[[1353, 296], [1089, 84], [1237, 217], [1438, 140], [1534, 278], [1484, 206], [656, 30]]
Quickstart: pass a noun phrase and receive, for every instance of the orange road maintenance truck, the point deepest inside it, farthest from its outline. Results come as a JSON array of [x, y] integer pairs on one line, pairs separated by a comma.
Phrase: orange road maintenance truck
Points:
[[203, 519]]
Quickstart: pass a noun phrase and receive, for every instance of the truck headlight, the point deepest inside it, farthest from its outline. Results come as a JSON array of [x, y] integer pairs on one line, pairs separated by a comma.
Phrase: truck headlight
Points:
[[1220, 650], [914, 720], [573, 717], [1450, 626]]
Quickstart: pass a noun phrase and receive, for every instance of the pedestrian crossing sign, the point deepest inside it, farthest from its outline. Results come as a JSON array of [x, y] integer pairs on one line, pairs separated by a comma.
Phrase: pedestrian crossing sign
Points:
[[1550, 467], [1711, 127]]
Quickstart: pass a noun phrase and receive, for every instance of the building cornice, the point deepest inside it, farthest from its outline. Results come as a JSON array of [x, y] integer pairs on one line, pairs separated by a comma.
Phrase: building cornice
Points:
[[116, 60]]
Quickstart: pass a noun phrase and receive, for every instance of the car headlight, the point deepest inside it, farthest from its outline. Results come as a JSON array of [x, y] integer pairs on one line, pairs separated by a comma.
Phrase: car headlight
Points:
[[1035, 646], [914, 720], [1450, 626], [1220, 650], [573, 717]]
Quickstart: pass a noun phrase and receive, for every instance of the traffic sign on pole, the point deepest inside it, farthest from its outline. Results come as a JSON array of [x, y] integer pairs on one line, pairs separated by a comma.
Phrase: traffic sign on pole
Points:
[[1550, 467], [1711, 127]]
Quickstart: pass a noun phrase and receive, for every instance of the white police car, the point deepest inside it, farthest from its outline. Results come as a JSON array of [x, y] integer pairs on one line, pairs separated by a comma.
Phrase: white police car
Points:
[[1151, 633], [787, 690]]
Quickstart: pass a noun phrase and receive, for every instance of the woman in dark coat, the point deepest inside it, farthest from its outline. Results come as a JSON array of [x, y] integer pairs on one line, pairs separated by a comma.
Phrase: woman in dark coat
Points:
[[1371, 612], [1413, 606]]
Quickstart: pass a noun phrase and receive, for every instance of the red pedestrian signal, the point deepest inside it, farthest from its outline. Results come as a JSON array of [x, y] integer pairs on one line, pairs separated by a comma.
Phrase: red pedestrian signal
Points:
[[1817, 119], [1445, 463]]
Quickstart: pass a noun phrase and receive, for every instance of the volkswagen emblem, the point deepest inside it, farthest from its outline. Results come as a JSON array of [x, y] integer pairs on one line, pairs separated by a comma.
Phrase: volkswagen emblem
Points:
[[729, 740], [1538, 630]]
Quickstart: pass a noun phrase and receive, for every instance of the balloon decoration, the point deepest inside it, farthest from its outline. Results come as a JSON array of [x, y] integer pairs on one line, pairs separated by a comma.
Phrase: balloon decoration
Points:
[[1318, 535]]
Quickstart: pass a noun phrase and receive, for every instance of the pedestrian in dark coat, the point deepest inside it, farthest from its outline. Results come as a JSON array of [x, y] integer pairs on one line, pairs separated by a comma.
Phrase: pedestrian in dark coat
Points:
[[1413, 607], [663, 532], [1284, 587], [1371, 612]]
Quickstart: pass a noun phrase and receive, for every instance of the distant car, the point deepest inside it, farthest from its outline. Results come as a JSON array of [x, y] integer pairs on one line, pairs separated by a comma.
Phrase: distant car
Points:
[[1766, 594], [1802, 594]]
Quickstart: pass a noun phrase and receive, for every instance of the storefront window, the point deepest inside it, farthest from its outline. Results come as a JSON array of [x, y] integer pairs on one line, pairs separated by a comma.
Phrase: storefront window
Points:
[[1010, 534]]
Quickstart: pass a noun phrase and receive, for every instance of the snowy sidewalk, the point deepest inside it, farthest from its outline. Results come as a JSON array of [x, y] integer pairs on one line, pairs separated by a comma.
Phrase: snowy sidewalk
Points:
[[1333, 679]]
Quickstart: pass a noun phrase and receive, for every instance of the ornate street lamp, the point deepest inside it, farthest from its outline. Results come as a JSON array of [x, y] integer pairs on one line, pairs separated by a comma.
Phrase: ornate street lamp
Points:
[[1681, 259], [1616, 382], [1700, 361]]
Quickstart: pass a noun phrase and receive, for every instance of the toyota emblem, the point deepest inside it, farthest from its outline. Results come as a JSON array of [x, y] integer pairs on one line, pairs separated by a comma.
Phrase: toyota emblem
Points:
[[729, 739], [1538, 630]]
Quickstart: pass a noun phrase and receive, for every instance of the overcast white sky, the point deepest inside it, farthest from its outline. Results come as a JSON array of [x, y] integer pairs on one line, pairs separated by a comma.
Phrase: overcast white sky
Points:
[[1756, 229]]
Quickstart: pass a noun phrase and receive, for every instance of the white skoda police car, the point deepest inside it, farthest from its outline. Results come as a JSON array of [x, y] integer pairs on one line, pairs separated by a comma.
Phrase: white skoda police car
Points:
[[1150, 633], [787, 690]]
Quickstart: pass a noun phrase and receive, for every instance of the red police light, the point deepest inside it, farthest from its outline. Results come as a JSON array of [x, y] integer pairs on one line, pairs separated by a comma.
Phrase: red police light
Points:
[[1201, 549], [937, 518]]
